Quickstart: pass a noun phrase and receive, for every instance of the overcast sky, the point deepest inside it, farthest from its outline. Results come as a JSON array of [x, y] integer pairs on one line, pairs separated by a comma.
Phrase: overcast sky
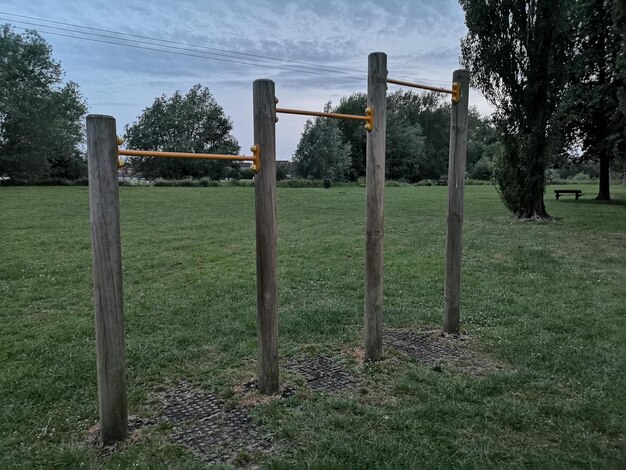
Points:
[[421, 39]]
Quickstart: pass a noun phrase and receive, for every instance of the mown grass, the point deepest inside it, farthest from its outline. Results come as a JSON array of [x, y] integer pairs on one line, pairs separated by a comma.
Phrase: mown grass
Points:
[[547, 300]]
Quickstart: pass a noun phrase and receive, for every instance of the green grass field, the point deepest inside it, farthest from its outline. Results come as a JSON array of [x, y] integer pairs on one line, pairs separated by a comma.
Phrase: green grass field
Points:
[[546, 300]]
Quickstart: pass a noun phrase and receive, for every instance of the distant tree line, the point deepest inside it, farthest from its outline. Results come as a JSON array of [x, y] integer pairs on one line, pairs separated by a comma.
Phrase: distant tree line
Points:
[[418, 135], [554, 70]]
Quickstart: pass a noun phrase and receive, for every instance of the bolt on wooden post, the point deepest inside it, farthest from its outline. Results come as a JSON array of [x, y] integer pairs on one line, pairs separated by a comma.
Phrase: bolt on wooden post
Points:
[[104, 212], [264, 108], [375, 230], [456, 186]]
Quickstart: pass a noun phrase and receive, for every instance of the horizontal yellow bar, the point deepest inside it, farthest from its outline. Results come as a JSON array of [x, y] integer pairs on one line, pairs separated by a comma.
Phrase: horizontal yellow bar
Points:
[[206, 156], [417, 85], [455, 92], [316, 113], [255, 158]]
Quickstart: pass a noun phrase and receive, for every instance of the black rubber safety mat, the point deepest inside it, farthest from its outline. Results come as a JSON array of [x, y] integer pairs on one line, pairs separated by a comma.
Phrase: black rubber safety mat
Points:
[[439, 351], [426, 347], [323, 373], [211, 429]]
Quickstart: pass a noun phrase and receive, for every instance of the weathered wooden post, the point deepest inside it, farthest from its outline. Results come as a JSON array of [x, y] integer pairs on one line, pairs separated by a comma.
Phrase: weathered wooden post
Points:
[[456, 185], [374, 230], [264, 108], [104, 212]]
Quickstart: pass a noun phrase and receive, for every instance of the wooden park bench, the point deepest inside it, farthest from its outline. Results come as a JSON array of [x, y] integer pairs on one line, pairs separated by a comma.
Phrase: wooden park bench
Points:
[[576, 192]]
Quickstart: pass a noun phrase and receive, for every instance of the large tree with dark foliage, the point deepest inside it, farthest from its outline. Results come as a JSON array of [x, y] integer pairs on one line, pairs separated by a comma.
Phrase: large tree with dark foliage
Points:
[[41, 118], [517, 51], [193, 122], [590, 109], [620, 25]]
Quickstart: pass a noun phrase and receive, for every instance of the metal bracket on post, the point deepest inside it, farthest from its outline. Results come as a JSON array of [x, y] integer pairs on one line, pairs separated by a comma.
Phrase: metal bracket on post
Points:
[[369, 112], [256, 155], [119, 141], [456, 92]]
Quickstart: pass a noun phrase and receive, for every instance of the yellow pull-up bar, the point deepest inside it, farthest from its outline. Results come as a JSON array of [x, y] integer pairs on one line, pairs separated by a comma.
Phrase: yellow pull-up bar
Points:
[[455, 92], [368, 118], [255, 158]]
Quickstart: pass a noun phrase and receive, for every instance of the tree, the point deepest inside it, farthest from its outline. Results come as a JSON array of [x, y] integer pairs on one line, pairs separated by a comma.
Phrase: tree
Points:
[[516, 51], [590, 108], [41, 118], [407, 147], [320, 153], [431, 112], [404, 151], [418, 135], [183, 123], [620, 25], [352, 133], [405, 157]]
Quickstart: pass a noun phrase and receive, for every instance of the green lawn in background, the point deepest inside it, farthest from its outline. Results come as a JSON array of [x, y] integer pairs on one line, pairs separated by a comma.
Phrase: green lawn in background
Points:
[[548, 300]]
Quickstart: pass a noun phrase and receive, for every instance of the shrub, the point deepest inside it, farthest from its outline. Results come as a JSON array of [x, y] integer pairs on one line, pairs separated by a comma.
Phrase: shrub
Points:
[[482, 169], [241, 183], [208, 183]]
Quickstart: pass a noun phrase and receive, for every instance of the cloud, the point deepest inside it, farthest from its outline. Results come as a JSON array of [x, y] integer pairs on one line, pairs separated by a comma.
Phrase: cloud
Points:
[[421, 38]]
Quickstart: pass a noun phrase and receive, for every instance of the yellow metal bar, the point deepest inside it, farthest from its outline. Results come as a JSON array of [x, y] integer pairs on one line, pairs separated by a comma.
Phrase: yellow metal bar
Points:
[[316, 113], [368, 118], [255, 158], [455, 91], [205, 156]]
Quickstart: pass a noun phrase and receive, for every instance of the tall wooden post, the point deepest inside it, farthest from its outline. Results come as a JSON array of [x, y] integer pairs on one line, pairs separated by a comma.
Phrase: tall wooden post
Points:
[[264, 108], [456, 185], [104, 212], [374, 230]]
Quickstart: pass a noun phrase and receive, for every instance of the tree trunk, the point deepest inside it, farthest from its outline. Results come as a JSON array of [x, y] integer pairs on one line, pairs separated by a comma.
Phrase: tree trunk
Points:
[[604, 193], [535, 210], [533, 173]]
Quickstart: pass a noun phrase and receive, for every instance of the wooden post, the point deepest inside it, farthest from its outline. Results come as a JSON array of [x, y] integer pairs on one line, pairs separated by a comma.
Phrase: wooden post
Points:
[[264, 108], [456, 185], [106, 250], [374, 230]]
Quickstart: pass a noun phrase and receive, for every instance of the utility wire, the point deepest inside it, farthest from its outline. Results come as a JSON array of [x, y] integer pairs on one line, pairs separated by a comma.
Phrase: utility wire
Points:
[[209, 54], [186, 52], [198, 55], [245, 54], [256, 59]]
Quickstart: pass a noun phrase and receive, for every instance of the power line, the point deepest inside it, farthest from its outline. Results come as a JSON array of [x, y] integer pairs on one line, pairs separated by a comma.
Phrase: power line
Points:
[[254, 59], [197, 55], [245, 54]]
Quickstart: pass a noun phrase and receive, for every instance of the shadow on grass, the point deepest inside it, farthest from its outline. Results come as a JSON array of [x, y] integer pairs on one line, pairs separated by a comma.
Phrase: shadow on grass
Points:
[[614, 202]]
